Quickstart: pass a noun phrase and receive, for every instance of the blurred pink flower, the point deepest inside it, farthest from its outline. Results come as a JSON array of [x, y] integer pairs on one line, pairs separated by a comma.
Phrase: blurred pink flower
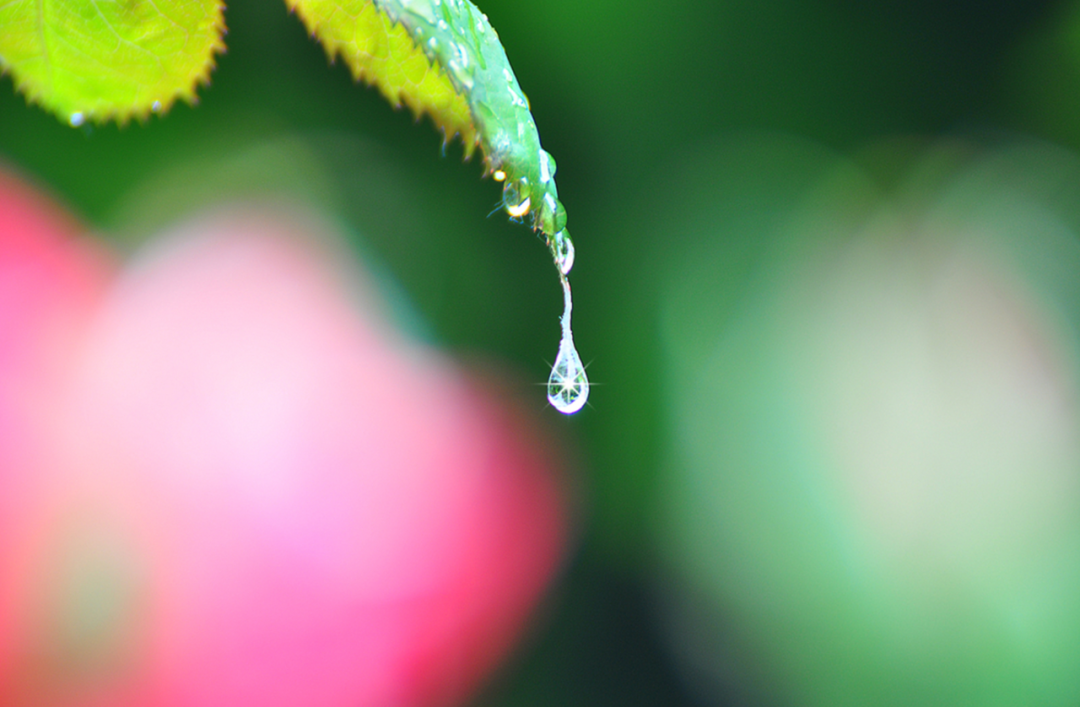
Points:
[[249, 489]]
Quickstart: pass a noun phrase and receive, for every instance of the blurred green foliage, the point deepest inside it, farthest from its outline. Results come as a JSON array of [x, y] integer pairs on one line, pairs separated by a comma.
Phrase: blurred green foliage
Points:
[[866, 502], [624, 94]]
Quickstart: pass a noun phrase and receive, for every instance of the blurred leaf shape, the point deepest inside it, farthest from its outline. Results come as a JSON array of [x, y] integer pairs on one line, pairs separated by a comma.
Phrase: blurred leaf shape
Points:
[[103, 60], [871, 495]]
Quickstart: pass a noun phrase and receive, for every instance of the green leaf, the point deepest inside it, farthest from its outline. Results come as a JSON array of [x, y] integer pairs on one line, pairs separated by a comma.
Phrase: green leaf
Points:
[[443, 58], [97, 60]]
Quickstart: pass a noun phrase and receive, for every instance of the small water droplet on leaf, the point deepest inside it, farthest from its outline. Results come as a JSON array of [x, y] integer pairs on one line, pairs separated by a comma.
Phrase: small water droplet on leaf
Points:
[[516, 199], [564, 252], [552, 215], [547, 167]]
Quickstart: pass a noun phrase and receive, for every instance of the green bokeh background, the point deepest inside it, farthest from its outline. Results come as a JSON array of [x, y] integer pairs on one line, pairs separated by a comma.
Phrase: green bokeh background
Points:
[[623, 92]]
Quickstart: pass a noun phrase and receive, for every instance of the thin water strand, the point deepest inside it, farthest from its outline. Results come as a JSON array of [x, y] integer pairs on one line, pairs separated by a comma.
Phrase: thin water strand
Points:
[[568, 386]]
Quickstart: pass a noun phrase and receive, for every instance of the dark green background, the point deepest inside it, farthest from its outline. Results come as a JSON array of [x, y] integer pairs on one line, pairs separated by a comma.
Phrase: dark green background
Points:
[[621, 90]]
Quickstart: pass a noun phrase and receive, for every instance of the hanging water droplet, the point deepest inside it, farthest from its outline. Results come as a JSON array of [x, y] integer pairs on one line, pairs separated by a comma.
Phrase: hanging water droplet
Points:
[[560, 217], [516, 199], [564, 252], [568, 386], [76, 119], [552, 215], [156, 106]]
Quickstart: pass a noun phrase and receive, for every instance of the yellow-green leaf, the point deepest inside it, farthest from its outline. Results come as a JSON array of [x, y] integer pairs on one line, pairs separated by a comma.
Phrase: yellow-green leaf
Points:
[[381, 52], [96, 60]]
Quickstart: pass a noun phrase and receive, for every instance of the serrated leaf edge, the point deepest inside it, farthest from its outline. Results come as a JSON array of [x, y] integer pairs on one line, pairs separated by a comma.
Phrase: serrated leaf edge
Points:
[[470, 137], [188, 93]]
